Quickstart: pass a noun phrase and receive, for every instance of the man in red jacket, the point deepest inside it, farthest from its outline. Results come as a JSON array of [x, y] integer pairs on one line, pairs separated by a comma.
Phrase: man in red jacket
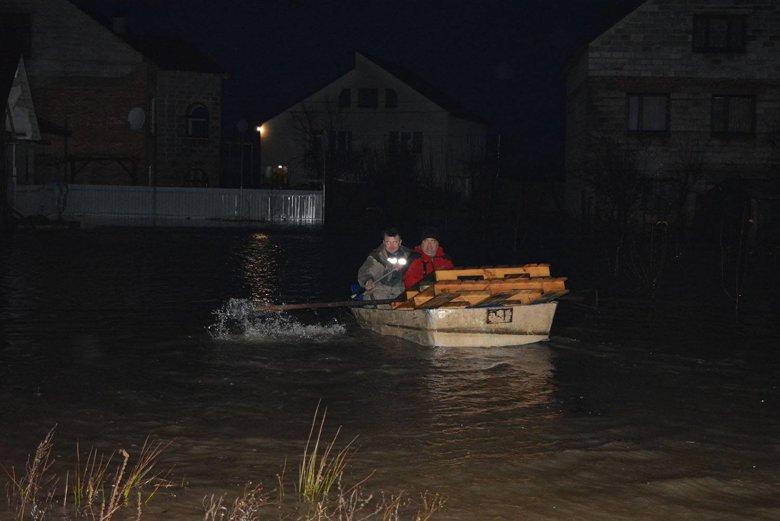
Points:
[[427, 257]]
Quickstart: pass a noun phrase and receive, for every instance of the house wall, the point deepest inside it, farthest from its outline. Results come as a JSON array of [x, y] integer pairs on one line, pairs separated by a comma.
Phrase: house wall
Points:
[[284, 138], [87, 79], [181, 160], [650, 51]]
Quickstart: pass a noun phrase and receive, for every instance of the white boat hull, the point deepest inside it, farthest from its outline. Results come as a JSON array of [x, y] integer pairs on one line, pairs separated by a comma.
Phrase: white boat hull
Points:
[[463, 327]]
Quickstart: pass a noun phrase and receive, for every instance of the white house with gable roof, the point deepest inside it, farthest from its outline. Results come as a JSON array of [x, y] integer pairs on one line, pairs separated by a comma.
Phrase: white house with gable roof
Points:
[[375, 110]]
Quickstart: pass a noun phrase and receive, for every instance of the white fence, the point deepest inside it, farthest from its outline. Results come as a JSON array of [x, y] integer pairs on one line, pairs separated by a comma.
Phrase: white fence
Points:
[[163, 206]]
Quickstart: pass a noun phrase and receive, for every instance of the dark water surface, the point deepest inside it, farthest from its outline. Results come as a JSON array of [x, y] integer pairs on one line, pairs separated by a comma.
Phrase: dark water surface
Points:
[[116, 334]]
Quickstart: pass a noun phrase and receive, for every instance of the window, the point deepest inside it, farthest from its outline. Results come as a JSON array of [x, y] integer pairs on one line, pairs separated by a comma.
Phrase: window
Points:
[[368, 98], [197, 177], [392, 142], [648, 112], [718, 33], [417, 142], [344, 142], [345, 98], [733, 114], [198, 122], [409, 142], [15, 35], [391, 99]]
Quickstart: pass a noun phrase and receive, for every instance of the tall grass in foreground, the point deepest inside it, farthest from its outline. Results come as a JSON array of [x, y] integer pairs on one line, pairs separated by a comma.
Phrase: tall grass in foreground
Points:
[[101, 487], [96, 490], [320, 492]]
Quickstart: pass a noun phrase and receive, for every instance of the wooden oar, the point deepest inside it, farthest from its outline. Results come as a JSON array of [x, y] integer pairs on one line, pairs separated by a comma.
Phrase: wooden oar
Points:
[[320, 305]]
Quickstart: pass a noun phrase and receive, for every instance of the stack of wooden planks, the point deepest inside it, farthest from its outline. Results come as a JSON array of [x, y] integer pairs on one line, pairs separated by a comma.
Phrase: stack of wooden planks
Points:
[[486, 287]]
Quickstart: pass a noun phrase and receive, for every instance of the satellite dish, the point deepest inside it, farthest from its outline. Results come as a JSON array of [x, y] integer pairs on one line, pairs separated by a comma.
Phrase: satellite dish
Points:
[[136, 117]]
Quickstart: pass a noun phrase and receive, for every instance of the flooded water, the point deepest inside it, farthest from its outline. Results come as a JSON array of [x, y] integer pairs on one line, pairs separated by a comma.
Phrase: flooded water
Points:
[[112, 335]]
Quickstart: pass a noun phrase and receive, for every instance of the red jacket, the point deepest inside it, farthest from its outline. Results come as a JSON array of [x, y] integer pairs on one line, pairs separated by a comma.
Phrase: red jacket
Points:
[[424, 265]]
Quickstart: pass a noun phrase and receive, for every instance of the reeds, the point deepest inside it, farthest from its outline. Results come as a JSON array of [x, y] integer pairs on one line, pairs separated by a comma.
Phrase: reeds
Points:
[[96, 489], [99, 487], [30, 495], [318, 472]]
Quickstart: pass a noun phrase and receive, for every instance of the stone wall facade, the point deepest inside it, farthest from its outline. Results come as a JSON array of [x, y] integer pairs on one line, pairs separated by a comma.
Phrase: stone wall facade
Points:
[[85, 79], [184, 159], [653, 52]]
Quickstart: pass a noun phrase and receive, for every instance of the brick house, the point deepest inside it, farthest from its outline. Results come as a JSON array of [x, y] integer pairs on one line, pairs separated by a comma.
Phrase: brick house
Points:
[[681, 93], [375, 110], [114, 109]]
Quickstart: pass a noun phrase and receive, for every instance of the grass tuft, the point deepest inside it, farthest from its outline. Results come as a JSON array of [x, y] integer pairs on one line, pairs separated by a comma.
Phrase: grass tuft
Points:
[[320, 469]]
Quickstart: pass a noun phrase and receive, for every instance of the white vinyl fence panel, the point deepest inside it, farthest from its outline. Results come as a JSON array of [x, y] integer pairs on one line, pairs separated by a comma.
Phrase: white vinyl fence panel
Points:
[[165, 206]]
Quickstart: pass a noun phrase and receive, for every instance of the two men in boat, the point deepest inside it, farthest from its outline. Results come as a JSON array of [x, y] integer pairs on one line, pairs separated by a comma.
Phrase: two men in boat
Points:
[[391, 267]]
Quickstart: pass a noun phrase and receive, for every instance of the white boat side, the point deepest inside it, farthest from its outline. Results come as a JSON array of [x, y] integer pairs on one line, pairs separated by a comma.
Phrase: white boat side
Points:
[[463, 327]]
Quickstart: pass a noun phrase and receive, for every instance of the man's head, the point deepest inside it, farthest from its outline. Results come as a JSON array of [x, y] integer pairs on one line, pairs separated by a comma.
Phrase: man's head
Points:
[[429, 242], [391, 239]]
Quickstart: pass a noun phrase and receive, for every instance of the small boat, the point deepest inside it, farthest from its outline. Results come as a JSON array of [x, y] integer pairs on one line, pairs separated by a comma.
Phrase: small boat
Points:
[[473, 307]]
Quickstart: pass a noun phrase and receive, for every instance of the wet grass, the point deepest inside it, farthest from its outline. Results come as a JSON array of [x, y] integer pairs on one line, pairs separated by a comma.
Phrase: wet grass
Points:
[[100, 487]]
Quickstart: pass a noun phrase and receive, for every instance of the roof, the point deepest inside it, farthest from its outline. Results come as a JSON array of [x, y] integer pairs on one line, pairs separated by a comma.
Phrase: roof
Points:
[[172, 53], [425, 88], [408, 77], [169, 52]]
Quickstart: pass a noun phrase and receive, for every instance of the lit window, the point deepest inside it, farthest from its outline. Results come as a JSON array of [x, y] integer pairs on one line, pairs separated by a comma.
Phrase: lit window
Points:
[[648, 112], [733, 115], [718, 33], [198, 122]]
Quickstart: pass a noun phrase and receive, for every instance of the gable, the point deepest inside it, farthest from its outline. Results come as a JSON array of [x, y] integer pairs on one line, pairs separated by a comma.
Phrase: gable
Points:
[[20, 119]]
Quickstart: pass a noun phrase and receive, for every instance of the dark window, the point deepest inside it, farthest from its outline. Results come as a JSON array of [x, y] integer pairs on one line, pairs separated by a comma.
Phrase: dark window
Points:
[[198, 122], [344, 142], [733, 114], [197, 177], [368, 98], [417, 142], [648, 112], [392, 142], [15, 35], [406, 141], [345, 98], [391, 99], [718, 33]]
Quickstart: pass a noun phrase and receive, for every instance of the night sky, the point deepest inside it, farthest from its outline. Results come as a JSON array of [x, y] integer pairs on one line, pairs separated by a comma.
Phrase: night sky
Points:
[[503, 60]]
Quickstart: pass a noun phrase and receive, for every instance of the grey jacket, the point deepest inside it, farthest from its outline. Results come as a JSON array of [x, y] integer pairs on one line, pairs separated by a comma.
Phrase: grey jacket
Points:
[[377, 266]]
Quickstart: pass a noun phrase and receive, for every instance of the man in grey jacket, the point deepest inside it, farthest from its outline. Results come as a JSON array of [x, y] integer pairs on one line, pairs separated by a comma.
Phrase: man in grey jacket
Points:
[[382, 273]]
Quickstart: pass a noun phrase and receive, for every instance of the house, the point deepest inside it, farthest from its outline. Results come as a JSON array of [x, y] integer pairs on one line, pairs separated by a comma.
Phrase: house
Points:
[[364, 121], [114, 109], [676, 97]]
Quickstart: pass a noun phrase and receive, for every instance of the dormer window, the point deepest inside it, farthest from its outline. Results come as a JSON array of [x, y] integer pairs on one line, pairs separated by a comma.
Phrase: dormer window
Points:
[[718, 33], [391, 99]]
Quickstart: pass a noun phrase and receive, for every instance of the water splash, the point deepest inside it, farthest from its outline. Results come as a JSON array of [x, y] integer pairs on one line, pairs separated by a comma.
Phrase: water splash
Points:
[[238, 320]]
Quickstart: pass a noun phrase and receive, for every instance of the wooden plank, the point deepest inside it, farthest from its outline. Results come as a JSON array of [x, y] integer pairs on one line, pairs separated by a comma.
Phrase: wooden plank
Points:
[[494, 272], [455, 304], [472, 297], [437, 301], [493, 300], [549, 297], [406, 304], [546, 284], [423, 296], [525, 296]]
